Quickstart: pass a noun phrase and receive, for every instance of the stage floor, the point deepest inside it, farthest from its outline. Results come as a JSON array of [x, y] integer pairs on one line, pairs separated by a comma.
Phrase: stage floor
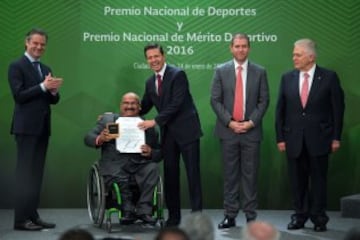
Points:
[[70, 218]]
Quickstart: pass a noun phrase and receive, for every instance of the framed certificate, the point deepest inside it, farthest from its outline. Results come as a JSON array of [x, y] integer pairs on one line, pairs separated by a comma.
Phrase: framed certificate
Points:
[[113, 129]]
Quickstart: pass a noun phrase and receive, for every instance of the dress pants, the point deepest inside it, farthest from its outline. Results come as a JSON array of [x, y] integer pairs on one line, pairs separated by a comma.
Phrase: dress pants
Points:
[[241, 163], [190, 154], [308, 176], [146, 176], [31, 153]]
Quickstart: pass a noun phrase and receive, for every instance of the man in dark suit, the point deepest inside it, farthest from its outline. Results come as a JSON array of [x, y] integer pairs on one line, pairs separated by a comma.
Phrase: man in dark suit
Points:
[[33, 89], [239, 98], [118, 166], [309, 120], [168, 90]]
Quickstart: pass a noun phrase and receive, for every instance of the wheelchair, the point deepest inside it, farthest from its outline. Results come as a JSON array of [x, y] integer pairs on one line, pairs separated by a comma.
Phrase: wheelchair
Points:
[[102, 202]]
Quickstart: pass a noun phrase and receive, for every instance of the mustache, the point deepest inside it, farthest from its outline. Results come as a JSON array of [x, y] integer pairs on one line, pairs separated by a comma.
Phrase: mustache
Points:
[[130, 109]]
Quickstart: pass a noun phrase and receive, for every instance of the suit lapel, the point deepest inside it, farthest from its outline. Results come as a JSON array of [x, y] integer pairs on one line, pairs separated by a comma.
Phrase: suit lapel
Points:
[[230, 71], [153, 84], [166, 83], [31, 69], [294, 86], [153, 92], [249, 82], [315, 86]]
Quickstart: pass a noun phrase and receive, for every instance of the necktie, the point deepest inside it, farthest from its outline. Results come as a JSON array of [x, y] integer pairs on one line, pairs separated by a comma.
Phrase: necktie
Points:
[[304, 94], [159, 82], [36, 65], [238, 111]]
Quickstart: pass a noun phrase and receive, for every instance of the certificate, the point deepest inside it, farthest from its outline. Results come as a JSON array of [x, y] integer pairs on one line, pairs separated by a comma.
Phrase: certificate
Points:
[[130, 136]]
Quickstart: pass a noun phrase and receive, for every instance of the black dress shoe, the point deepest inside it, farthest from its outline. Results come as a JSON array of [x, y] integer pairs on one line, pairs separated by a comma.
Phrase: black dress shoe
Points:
[[228, 222], [295, 224], [320, 228], [147, 219], [28, 225], [127, 218], [172, 222], [44, 224]]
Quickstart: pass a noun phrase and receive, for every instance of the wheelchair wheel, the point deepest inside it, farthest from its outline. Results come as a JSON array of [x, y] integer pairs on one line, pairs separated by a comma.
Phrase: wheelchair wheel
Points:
[[96, 196]]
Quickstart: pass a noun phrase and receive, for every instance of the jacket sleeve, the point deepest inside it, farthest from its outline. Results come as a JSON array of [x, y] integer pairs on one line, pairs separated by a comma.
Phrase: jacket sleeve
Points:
[[152, 139], [22, 92], [262, 101], [338, 106], [90, 137], [217, 98], [280, 113]]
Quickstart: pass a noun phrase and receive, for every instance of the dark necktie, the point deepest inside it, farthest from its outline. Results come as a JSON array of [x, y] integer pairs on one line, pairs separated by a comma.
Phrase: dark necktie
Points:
[[36, 65]]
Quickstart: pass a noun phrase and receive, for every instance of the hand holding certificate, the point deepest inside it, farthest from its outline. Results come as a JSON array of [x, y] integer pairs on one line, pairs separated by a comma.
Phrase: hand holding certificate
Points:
[[131, 138]]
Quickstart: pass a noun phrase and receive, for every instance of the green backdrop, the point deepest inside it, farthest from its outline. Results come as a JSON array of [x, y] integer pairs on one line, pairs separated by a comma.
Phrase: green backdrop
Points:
[[97, 47]]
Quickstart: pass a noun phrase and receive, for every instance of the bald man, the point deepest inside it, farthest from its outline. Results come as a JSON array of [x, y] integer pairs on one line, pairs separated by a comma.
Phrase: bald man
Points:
[[117, 167]]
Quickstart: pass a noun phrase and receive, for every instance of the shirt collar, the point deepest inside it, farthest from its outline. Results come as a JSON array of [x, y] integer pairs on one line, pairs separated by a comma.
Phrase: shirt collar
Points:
[[31, 58], [244, 65], [311, 72], [162, 71]]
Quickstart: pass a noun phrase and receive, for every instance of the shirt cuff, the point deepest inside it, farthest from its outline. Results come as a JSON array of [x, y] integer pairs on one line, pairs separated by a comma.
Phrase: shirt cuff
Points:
[[98, 142], [42, 85], [252, 123]]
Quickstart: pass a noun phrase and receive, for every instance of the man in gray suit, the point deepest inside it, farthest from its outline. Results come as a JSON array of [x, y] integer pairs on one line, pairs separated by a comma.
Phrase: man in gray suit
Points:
[[117, 167], [239, 126]]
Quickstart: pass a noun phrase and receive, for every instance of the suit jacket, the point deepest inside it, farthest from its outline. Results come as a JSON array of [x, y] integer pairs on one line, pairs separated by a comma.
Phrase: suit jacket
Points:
[[319, 123], [177, 113], [223, 94], [32, 105], [110, 156]]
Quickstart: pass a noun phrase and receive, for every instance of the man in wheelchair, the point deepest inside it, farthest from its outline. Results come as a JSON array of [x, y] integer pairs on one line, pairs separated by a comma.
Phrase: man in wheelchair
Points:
[[118, 167]]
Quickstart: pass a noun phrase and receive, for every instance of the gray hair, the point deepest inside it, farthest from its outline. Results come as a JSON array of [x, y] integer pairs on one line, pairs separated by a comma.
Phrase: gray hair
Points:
[[198, 226], [308, 44], [265, 229]]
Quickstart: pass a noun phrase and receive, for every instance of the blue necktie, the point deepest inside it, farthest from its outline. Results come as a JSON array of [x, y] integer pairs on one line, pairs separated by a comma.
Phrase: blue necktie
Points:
[[36, 65]]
